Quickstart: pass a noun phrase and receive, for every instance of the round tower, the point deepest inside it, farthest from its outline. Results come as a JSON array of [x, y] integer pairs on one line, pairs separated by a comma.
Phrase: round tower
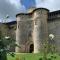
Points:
[[40, 31], [22, 32]]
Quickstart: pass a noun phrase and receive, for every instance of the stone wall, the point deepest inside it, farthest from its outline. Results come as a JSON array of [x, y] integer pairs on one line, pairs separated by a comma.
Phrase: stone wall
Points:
[[23, 32], [40, 32], [32, 24], [33, 28], [54, 28], [8, 30]]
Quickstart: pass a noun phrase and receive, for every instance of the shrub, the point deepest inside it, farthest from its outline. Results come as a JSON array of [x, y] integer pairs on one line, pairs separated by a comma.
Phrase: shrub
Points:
[[40, 58], [49, 59], [12, 54], [52, 56]]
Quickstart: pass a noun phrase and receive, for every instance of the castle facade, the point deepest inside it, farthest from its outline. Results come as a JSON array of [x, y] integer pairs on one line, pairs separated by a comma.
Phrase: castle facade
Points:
[[33, 29]]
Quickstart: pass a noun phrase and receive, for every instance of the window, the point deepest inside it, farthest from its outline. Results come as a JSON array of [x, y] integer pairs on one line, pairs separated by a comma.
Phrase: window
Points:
[[18, 26], [35, 22]]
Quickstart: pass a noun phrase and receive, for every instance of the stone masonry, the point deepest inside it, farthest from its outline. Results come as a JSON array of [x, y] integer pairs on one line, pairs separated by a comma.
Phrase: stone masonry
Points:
[[31, 30], [38, 30]]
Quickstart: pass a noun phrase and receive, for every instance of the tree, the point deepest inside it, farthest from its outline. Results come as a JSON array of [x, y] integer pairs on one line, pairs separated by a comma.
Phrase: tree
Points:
[[4, 49]]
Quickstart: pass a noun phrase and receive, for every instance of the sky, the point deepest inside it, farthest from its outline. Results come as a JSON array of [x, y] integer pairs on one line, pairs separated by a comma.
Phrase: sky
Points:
[[13, 7], [28, 3]]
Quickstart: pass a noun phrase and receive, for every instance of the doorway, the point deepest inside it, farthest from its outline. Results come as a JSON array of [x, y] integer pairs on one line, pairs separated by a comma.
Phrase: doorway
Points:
[[31, 48]]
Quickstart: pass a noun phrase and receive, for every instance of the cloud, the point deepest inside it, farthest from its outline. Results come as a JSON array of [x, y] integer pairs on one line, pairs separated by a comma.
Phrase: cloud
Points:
[[10, 7], [49, 4], [15, 3]]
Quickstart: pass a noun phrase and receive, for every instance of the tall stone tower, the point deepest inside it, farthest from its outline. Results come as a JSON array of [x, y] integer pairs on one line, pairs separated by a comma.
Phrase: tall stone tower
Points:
[[40, 32], [22, 32], [39, 19]]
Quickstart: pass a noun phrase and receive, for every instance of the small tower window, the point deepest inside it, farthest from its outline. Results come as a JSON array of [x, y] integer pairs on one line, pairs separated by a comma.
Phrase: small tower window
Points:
[[18, 26], [35, 22]]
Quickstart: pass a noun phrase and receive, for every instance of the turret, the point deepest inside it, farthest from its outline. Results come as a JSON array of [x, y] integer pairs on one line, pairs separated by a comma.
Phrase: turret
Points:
[[40, 31], [22, 31]]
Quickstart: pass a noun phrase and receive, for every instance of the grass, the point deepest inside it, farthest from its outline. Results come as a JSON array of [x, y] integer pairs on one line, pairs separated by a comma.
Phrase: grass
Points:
[[31, 56]]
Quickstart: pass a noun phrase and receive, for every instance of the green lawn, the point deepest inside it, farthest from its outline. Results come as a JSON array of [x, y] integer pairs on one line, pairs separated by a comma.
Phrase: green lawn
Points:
[[31, 56]]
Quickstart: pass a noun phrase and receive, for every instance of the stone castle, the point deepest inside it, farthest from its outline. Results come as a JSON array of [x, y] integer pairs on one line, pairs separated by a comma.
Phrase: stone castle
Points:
[[32, 29]]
